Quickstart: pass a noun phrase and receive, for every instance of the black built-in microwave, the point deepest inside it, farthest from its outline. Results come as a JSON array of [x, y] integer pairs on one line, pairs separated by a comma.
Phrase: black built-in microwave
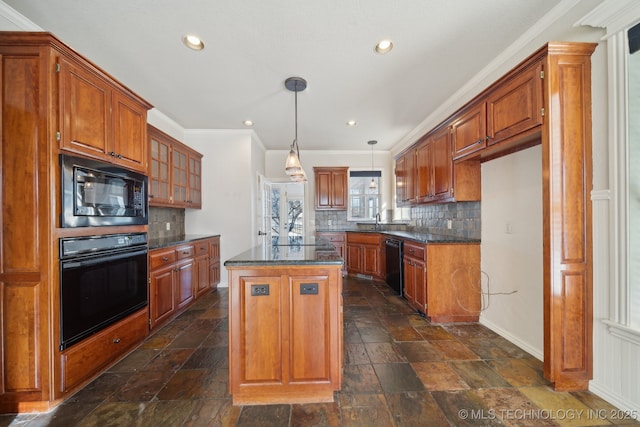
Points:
[[96, 193]]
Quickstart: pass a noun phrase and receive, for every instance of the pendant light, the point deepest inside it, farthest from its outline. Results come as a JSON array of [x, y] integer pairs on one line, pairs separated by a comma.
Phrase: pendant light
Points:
[[293, 167], [372, 184]]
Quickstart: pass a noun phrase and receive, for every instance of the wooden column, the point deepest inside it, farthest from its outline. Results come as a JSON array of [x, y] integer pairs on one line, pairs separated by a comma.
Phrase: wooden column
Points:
[[567, 183]]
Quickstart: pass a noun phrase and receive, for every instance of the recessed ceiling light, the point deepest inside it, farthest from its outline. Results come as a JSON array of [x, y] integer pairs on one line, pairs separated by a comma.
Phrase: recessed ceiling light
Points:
[[247, 123], [384, 46], [351, 123], [193, 42]]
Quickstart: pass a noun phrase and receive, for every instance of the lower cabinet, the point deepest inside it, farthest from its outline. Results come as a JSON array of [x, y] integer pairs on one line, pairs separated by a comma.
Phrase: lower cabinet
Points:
[[285, 332], [442, 281], [364, 254], [180, 274], [81, 362]]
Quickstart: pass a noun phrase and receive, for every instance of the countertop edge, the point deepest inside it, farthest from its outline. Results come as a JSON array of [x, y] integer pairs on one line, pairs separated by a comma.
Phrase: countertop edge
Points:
[[166, 242], [416, 237]]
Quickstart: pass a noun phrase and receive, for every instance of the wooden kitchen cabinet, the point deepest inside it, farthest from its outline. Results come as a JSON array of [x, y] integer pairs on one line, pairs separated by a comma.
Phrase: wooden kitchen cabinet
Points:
[[415, 283], [339, 242], [99, 120], [175, 172], [515, 106], [52, 101], [287, 342], [214, 261], [442, 281], [364, 254], [434, 167], [202, 267], [406, 178], [469, 131], [331, 188]]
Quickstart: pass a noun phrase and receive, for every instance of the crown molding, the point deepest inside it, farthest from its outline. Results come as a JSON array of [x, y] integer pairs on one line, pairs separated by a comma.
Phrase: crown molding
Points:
[[613, 16], [17, 19]]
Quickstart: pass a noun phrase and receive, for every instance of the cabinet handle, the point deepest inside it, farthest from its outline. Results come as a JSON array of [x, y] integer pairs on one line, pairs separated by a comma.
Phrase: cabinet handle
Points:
[[185, 252], [480, 141], [112, 153], [165, 259], [119, 156], [116, 341], [151, 196]]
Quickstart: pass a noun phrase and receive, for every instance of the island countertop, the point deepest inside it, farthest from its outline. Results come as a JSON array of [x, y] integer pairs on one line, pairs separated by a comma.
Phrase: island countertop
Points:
[[317, 253]]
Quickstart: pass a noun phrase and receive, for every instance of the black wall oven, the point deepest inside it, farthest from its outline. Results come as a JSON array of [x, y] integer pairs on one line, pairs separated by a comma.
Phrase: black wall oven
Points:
[[97, 194], [102, 280]]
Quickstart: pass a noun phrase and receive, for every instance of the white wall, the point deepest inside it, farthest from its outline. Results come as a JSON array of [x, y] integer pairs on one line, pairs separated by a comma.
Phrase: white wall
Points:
[[511, 248], [229, 164]]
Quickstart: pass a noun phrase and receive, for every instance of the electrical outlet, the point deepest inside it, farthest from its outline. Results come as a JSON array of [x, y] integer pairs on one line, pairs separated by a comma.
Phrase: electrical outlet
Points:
[[449, 224], [329, 222], [259, 290], [508, 228], [168, 226]]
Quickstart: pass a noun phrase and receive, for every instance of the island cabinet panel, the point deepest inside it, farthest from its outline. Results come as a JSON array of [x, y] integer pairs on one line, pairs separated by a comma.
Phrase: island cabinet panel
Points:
[[339, 242], [261, 330], [285, 333]]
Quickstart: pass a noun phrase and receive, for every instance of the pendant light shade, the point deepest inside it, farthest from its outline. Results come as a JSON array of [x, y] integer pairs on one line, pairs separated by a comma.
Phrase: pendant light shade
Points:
[[292, 166], [372, 184]]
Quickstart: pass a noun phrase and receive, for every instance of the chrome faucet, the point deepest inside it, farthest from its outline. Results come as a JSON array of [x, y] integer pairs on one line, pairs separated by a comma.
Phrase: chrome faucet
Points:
[[377, 227]]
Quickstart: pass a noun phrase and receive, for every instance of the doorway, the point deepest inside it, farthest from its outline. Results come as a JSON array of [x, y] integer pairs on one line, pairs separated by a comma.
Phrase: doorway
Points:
[[282, 219]]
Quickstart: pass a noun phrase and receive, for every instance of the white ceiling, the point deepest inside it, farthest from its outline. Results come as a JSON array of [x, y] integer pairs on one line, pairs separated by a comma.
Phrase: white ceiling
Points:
[[252, 46]]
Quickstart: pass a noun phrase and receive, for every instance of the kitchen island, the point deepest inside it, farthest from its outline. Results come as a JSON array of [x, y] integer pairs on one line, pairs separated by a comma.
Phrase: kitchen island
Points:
[[285, 324]]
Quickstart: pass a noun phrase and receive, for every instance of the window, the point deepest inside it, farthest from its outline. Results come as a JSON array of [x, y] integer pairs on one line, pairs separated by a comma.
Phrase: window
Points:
[[364, 195]]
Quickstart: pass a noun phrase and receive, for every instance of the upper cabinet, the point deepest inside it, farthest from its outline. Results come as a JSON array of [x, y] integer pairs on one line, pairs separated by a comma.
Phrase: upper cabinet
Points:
[[99, 118], [175, 172], [331, 187], [444, 165], [469, 131]]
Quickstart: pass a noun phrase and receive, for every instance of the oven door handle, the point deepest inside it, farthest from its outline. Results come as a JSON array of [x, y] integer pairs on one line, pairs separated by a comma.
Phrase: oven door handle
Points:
[[67, 264]]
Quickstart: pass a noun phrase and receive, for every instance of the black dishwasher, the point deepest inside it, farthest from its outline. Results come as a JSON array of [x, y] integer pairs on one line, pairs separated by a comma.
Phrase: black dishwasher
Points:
[[393, 256]]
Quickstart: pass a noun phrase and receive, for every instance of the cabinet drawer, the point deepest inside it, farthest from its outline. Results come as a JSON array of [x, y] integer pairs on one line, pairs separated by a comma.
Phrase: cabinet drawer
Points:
[[414, 250], [183, 252], [367, 238], [201, 248], [332, 237], [86, 358], [161, 257]]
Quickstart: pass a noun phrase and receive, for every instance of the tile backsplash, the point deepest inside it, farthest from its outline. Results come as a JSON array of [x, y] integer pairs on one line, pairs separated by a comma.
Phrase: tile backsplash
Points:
[[432, 218], [160, 217]]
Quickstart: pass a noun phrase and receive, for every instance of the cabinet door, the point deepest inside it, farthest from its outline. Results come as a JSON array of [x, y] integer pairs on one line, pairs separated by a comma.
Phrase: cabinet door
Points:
[[85, 103], [323, 189], [310, 329], [185, 273], [259, 333], [214, 261], [180, 180], [129, 121], [410, 177], [354, 257], [420, 285], [441, 164], [424, 170], [162, 294], [469, 131], [370, 260], [202, 275], [516, 105], [409, 281], [195, 181], [339, 189], [159, 170]]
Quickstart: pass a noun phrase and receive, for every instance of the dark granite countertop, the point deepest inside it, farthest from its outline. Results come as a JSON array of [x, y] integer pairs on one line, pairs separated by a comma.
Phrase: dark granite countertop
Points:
[[164, 242], [313, 253], [425, 238]]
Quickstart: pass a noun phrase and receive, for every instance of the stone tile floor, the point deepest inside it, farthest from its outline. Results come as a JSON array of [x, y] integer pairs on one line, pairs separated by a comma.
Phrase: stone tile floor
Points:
[[400, 370]]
